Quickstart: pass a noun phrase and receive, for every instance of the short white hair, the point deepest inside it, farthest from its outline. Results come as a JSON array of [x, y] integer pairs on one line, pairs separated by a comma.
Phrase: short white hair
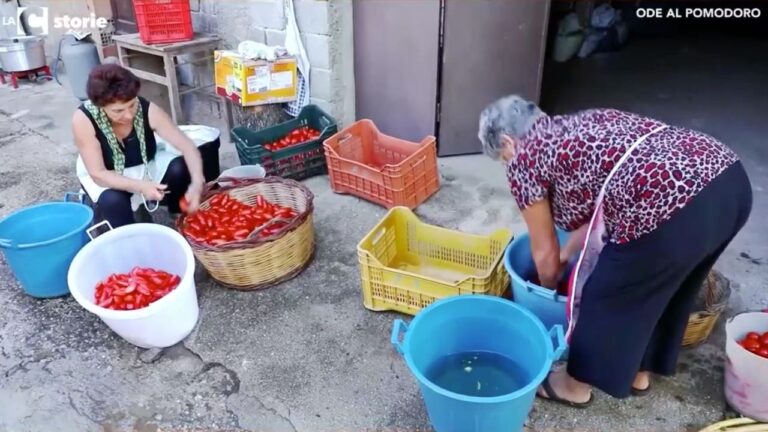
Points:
[[511, 115]]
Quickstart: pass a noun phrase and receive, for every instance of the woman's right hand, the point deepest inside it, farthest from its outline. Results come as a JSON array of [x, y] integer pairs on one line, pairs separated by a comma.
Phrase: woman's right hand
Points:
[[152, 191]]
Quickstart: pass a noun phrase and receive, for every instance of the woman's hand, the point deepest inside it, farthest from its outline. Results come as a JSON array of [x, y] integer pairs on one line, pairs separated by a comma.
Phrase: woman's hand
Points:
[[574, 244], [152, 191], [545, 248], [193, 196]]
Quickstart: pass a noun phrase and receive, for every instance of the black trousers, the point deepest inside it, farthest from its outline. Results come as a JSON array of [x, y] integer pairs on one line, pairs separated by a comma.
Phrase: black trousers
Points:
[[636, 304], [115, 205]]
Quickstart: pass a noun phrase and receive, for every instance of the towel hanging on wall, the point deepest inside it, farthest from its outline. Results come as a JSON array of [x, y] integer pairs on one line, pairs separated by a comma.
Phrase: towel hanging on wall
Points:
[[295, 47]]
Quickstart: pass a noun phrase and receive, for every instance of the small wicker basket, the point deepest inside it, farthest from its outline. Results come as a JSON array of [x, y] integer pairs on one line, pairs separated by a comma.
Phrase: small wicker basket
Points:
[[713, 299], [260, 262]]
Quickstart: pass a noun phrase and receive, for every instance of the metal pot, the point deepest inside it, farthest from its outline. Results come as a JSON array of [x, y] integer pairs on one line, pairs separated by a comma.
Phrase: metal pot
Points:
[[22, 53]]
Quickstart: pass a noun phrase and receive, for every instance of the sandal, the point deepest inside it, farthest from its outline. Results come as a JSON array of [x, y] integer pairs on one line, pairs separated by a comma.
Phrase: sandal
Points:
[[640, 392], [552, 396]]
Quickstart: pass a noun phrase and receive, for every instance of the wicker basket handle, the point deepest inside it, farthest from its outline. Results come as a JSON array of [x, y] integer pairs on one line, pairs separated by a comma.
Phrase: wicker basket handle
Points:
[[258, 230], [711, 287], [234, 182]]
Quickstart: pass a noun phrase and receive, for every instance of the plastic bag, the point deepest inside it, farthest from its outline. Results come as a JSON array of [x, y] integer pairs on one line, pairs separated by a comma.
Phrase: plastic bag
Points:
[[604, 16], [255, 50], [569, 25]]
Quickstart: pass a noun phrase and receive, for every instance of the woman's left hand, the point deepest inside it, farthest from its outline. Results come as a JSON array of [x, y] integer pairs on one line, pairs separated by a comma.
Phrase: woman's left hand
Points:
[[167, 129], [193, 196]]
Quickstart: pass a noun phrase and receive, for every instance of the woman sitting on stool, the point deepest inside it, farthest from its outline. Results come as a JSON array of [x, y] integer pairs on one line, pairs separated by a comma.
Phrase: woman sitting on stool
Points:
[[120, 167]]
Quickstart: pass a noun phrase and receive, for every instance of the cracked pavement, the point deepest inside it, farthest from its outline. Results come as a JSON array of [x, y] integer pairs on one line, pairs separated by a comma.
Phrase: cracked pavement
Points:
[[305, 355]]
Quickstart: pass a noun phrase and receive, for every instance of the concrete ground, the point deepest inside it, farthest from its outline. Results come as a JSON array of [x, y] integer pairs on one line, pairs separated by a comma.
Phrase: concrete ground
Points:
[[306, 355]]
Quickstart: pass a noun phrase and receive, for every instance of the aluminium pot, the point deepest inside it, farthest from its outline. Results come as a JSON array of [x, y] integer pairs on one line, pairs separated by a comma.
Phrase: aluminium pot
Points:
[[22, 53]]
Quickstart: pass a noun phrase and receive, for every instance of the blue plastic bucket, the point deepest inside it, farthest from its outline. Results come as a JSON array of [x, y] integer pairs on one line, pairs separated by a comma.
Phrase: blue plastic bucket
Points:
[[543, 302], [39, 243], [477, 323]]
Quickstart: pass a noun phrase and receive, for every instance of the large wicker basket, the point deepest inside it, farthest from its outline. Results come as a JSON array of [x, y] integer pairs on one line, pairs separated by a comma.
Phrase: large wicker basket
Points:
[[712, 301], [260, 262]]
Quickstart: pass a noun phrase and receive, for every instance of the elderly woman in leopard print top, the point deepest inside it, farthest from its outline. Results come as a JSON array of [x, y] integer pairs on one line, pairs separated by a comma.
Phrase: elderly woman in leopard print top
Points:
[[672, 200]]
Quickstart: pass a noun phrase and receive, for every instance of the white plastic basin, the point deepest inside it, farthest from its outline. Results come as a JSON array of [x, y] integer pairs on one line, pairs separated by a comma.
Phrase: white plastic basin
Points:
[[164, 322]]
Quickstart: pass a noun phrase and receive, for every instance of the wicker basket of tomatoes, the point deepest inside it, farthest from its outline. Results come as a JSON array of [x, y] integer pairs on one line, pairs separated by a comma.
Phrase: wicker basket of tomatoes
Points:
[[252, 233], [293, 149]]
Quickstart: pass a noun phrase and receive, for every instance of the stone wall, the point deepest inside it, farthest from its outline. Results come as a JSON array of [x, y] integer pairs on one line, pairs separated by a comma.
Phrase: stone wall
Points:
[[326, 29]]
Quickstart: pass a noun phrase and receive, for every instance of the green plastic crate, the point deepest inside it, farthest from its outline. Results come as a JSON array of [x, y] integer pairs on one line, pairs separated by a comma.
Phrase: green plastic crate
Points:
[[296, 162]]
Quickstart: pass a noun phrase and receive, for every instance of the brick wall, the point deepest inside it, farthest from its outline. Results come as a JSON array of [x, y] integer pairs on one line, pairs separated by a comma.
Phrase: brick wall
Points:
[[326, 30]]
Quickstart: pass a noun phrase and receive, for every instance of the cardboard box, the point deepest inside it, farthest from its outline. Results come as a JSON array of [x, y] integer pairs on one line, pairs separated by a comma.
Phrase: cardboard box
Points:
[[255, 82]]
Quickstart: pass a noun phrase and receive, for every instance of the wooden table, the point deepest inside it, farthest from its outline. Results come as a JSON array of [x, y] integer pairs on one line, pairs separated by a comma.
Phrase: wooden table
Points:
[[130, 46]]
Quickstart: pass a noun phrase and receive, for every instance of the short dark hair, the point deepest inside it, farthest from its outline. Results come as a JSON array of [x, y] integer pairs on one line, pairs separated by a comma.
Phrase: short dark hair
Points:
[[110, 83]]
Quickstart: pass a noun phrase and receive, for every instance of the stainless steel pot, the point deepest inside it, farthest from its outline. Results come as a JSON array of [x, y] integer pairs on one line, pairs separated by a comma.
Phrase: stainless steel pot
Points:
[[22, 53]]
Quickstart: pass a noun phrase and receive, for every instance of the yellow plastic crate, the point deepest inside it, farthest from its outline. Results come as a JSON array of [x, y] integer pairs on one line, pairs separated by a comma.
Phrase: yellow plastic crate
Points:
[[406, 264]]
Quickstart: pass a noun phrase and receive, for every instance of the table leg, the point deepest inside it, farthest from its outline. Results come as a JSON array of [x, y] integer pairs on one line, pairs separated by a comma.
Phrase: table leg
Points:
[[121, 56], [173, 88], [228, 117], [2, 77]]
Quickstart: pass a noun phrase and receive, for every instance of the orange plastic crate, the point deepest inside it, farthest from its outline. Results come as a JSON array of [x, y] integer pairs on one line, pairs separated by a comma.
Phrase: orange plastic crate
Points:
[[163, 21], [382, 169]]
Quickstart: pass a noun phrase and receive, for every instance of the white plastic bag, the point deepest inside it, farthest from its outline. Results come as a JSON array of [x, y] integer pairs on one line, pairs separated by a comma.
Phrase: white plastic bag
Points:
[[591, 41], [200, 134], [604, 16], [569, 24], [255, 50]]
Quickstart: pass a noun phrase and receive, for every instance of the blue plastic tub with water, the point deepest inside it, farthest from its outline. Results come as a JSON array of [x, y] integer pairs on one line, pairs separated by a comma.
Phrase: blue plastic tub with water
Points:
[[484, 324], [543, 302], [40, 242]]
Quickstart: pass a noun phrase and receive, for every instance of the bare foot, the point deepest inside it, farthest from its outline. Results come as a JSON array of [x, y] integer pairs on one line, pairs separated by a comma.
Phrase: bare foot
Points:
[[642, 381], [567, 388]]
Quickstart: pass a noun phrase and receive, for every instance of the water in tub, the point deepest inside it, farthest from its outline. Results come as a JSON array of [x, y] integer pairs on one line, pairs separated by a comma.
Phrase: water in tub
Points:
[[478, 374]]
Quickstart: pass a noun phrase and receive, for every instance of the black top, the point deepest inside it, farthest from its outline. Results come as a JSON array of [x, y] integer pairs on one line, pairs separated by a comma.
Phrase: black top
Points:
[[131, 146]]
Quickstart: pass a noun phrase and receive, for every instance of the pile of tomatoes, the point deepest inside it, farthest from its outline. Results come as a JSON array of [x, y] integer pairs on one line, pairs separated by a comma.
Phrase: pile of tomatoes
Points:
[[135, 290], [756, 343], [228, 220], [297, 136]]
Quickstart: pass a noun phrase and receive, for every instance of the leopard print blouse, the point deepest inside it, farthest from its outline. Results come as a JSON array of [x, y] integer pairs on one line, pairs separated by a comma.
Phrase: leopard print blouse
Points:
[[566, 159]]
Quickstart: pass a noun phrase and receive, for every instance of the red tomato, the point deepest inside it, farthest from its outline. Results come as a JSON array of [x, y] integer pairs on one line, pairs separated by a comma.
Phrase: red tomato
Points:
[[763, 352], [751, 344], [753, 335], [224, 219], [764, 339], [295, 137], [134, 290], [183, 204]]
